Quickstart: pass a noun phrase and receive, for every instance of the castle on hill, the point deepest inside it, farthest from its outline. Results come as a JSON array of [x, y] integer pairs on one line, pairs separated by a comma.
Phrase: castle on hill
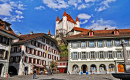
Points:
[[64, 25]]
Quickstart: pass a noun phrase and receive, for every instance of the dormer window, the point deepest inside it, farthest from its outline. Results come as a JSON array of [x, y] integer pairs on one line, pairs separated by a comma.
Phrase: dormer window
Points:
[[6, 27], [116, 32], [91, 33]]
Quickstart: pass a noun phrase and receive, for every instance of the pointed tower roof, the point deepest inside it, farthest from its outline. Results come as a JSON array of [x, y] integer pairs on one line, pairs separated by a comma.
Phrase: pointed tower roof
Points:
[[65, 14], [77, 19], [49, 33], [57, 18]]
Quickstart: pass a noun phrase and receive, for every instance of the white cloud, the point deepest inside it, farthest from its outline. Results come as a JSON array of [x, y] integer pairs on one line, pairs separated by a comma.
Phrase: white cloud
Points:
[[84, 16], [81, 6], [5, 9], [104, 5], [79, 1], [89, 1], [20, 6], [39, 8], [57, 4], [8, 8], [73, 2], [101, 24], [85, 21], [18, 12]]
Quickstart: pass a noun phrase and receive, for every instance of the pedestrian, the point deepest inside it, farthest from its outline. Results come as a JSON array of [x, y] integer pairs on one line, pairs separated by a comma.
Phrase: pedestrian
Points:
[[34, 74], [91, 70], [49, 71]]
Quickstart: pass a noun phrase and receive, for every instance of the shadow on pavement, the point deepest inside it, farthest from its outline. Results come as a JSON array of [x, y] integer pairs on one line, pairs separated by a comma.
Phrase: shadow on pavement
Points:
[[52, 79], [107, 78]]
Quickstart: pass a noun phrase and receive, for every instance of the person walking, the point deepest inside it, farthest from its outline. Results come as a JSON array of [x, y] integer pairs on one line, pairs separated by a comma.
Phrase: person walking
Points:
[[34, 74], [49, 71]]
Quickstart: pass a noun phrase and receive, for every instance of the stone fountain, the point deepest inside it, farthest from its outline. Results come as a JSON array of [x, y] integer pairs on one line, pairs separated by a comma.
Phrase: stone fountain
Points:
[[126, 74]]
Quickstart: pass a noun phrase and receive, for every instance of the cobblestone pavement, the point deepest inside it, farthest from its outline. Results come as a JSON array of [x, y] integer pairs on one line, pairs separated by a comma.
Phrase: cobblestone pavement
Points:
[[64, 77]]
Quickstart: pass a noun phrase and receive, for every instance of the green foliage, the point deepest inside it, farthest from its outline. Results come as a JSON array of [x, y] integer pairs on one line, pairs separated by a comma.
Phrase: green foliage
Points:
[[64, 50], [53, 64]]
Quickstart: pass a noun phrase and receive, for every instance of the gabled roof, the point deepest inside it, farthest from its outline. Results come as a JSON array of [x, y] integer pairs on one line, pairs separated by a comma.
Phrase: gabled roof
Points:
[[69, 18], [28, 37], [63, 59], [9, 31], [80, 29], [101, 33]]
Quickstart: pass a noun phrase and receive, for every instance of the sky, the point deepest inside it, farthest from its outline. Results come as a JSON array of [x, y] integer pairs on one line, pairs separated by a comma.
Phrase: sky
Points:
[[40, 16]]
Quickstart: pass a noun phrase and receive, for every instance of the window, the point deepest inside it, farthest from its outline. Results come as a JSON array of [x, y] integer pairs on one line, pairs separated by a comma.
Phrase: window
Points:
[[127, 42], [108, 43], [117, 43], [116, 33], [43, 40], [100, 44], [119, 54], [92, 55], [101, 54], [128, 54], [83, 44], [110, 54], [74, 45], [83, 55], [91, 44], [32, 42], [75, 55], [6, 27], [4, 40]]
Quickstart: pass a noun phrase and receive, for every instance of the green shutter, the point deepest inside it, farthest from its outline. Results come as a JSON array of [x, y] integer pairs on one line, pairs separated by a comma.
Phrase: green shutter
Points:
[[86, 54]]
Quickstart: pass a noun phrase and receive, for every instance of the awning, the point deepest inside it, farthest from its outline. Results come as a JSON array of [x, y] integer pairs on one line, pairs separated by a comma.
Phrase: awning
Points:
[[37, 65]]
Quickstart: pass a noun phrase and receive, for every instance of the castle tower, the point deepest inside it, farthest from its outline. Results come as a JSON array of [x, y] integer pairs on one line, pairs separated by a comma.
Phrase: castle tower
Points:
[[56, 28]]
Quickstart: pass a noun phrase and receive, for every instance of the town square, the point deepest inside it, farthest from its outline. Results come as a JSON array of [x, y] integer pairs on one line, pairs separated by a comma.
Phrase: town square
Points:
[[64, 40]]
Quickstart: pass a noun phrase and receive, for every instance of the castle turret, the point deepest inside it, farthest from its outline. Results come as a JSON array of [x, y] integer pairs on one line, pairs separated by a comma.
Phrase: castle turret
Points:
[[64, 23], [57, 21], [77, 22]]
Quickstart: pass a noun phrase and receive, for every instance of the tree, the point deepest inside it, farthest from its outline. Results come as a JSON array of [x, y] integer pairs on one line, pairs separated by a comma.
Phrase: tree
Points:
[[53, 64], [64, 50]]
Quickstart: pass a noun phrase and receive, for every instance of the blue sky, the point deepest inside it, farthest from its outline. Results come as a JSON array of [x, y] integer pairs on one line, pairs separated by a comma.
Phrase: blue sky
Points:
[[40, 15]]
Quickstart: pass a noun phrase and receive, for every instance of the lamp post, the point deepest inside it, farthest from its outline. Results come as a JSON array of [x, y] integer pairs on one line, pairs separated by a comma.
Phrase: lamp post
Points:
[[123, 44]]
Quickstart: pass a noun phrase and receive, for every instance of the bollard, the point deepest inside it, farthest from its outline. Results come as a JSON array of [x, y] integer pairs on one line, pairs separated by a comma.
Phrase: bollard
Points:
[[7, 75]]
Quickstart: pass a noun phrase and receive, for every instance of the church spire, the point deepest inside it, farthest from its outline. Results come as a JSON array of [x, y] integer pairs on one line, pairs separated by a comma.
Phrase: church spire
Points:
[[65, 14], [77, 19], [57, 18]]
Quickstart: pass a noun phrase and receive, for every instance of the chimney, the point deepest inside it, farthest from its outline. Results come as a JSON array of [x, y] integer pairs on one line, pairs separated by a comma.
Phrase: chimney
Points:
[[19, 34], [31, 32], [106, 28]]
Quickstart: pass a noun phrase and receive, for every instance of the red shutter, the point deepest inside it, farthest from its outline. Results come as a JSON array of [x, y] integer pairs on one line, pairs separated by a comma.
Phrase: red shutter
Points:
[[43, 46], [25, 59], [57, 64], [26, 49], [45, 62], [42, 62], [33, 60], [60, 63], [46, 47], [64, 64], [38, 53], [45, 55], [48, 56]]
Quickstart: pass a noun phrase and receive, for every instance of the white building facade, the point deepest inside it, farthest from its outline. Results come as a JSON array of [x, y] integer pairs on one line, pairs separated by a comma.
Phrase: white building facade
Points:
[[6, 37], [65, 25], [98, 51], [34, 51]]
